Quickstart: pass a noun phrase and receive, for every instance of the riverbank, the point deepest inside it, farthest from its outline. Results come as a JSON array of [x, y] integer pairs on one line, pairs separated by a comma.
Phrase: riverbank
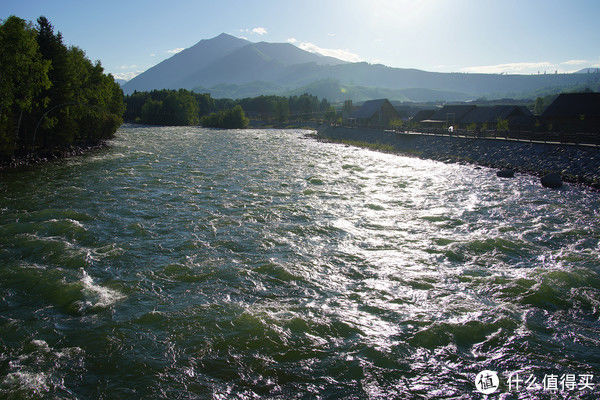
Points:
[[576, 164], [31, 159], [259, 124]]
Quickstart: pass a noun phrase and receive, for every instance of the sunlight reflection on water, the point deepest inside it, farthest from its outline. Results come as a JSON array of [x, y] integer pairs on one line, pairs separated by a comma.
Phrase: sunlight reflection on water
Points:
[[260, 264]]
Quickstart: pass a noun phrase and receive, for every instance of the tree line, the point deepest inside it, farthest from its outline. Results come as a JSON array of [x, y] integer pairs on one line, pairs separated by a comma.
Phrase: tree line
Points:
[[183, 107], [52, 96]]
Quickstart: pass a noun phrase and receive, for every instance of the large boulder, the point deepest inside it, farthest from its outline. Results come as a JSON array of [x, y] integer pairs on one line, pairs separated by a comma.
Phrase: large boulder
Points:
[[505, 173], [552, 180]]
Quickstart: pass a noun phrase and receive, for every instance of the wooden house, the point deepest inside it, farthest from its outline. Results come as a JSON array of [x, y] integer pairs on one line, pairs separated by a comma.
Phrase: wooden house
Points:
[[449, 115], [373, 113], [574, 112], [517, 117]]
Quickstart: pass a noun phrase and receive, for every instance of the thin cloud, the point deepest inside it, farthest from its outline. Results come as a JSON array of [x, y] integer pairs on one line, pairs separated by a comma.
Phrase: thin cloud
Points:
[[341, 54], [128, 66], [292, 40], [259, 30], [510, 68], [175, 51], [527, 68], [577, 62], [127, 75]]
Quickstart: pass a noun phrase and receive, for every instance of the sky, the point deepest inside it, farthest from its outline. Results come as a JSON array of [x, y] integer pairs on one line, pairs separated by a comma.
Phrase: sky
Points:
[[504, 36]]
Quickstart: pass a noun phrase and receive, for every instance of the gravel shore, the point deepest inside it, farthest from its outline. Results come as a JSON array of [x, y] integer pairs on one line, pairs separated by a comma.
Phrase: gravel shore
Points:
[[577, 164]]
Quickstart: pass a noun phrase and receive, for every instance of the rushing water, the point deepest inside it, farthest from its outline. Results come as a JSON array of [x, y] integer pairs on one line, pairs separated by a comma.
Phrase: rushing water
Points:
[[188, 263]]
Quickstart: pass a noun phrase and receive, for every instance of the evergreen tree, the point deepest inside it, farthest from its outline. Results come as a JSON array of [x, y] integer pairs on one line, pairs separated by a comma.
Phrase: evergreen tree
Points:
[[52, 96], [23, 76]]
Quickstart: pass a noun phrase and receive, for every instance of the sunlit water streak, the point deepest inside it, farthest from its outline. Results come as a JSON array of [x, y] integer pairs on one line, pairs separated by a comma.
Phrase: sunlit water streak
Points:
[[188, 263]]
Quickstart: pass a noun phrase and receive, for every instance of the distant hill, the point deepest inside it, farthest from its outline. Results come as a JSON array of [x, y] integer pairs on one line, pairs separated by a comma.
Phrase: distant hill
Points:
[[232, 67], [588, 71], [121, 82], [233, 91], [332, 90]]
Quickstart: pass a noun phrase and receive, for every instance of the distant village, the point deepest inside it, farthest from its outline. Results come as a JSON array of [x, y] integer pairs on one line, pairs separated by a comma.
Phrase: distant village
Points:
[[570, 117]]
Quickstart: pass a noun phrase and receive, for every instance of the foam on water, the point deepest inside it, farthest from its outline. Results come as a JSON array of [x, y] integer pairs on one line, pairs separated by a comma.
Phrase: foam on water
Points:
[[26, 381], [97, 295]]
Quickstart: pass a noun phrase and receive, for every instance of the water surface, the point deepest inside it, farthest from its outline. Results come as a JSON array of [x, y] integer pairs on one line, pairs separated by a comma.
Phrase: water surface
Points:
[[190, 263]]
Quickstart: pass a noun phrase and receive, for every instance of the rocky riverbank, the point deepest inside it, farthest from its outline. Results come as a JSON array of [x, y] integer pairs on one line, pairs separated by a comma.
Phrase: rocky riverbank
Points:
[[29, 159], [577, 164]]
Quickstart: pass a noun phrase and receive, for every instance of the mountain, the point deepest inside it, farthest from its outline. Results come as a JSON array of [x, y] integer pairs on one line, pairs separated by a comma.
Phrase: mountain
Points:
[[233, 91], [121, 82], [221, 60], [232, 67], [255, 62], [332, 90], [588, 71], [167, 74], [337, 92]]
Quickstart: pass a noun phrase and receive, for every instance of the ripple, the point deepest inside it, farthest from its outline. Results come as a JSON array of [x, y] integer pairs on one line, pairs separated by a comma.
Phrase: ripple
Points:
[[185, 262]]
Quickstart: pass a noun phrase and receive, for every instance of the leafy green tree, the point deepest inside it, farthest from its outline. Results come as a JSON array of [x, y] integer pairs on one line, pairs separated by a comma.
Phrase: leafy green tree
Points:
[[84, 105], [396, 123], [23, 76], [502, 125], [230, 119], [330, 115], [282, 110], [180, 108], [52, 96], [152, 112]]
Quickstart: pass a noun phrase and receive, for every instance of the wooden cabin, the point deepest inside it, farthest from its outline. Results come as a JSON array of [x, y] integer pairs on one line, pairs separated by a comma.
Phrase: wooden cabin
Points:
[[518, 118], [373, 113], [573, 112]]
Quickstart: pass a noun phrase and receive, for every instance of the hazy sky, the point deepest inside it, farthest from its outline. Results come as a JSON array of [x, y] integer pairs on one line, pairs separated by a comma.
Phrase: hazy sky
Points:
[[129, 36]]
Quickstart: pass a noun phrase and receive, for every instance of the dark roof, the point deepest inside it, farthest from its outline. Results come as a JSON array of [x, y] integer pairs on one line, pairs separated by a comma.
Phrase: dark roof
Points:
[[422, 115], [457, 112], [572, 105], [369, 108], [483, 114]]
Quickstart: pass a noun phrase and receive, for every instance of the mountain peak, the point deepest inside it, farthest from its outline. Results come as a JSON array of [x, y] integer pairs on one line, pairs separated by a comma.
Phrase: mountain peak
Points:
[[225, 36]]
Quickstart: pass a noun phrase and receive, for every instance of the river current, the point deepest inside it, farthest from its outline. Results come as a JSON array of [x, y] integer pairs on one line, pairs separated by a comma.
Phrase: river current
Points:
[[184, 263]]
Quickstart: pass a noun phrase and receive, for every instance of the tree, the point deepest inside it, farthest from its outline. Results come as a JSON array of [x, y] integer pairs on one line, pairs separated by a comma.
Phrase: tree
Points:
[[502, 125], [152, 112], [538, 108], [348, 108], [52, 89], [180, 109], [23, 76], [282, 110], [57, 128], [230, 119], [396, 123], [330, 115]]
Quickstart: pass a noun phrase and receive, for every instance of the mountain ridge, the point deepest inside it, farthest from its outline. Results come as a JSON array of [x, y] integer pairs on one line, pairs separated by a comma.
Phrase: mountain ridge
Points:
[[228, 60]]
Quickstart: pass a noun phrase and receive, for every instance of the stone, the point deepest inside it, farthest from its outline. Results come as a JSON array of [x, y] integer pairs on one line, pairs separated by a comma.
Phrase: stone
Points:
[[505, 173], [552, 180]]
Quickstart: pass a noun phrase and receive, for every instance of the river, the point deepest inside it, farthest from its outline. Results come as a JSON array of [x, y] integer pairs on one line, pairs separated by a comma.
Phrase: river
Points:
[[184, 263]]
